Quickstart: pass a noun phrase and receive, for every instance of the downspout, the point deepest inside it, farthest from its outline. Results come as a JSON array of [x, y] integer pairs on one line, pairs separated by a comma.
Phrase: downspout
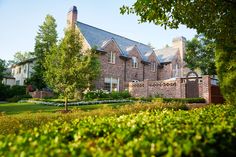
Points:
[[125, 71], [143, 72]]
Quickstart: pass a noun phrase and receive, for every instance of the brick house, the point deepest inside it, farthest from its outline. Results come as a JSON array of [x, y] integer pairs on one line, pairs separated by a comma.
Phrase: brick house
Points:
[[124, 60]]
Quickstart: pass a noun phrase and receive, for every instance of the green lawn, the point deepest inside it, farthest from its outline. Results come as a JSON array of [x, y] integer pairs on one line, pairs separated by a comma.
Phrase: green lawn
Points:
[[16, 108]]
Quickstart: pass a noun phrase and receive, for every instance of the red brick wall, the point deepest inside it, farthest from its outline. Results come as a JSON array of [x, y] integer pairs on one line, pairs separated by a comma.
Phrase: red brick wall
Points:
[[170, 89], [111, 70], [148, 74], [165, 72], [134, 73], [153, 88], [41, 94]]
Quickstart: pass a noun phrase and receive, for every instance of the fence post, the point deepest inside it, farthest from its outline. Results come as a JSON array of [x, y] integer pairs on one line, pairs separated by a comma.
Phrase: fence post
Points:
[[146, 87], [206, 88]]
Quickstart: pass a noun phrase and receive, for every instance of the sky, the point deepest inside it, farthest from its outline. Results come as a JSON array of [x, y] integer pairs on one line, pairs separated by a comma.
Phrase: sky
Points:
[[20, 21]]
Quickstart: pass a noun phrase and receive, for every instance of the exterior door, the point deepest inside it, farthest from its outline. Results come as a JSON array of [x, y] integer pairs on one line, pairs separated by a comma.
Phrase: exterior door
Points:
[[192, 90]]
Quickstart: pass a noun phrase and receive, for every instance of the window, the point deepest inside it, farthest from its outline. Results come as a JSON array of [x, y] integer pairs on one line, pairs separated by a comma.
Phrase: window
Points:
[[19, 70], [111, 84], [25, 66], [17, 82], [107, 86], [134, 62], [112, 58], [153, 66], [176, 71]]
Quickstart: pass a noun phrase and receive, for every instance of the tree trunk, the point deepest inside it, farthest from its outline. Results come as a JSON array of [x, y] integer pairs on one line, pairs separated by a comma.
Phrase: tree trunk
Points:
[[66, 107]]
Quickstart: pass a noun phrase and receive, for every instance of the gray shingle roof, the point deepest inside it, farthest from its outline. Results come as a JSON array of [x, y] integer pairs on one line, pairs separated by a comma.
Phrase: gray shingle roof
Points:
[[166, 55], [98, 38]]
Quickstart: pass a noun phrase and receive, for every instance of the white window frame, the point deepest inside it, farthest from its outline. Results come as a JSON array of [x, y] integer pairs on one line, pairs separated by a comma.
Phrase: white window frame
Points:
[[112, 58], [113, 81], [134, 62], [153, 66]]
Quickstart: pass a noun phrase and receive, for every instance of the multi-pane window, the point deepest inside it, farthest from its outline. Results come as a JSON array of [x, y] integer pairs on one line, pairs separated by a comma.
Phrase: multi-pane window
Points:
[[153, 66], [111, 84], [19, 70], [107, 86], [134, 62], [25, 66], [112, 57], [176, 71]]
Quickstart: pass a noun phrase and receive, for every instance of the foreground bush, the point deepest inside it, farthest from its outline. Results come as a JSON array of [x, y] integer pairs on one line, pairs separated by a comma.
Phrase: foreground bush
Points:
[[209, 131], [181, 100]]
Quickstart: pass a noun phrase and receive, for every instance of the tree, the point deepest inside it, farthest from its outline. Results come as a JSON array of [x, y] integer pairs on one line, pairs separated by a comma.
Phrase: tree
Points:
[[214, 18], [44, 41], [68, 69], [201, 55], [2, 69], [22, 56]]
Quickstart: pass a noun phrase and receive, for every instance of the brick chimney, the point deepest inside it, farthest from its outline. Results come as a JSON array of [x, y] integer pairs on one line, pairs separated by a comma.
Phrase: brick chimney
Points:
[[72, 17], [180, 43]]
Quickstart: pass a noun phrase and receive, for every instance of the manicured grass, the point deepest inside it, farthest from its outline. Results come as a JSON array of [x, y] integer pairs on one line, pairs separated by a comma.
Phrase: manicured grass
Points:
[[16, 108]]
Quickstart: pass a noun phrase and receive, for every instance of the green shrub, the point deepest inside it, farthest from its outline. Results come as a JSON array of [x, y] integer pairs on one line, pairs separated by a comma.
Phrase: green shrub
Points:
[[208, 131], [226, 71], [17, 90], [91, 95], [105, 95], [18, 98], [14, 99], [181, 100], [148, 99], [4, 92]]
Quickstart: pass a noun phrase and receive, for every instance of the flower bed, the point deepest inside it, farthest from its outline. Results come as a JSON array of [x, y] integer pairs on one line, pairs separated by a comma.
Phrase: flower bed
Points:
[[80, 102]]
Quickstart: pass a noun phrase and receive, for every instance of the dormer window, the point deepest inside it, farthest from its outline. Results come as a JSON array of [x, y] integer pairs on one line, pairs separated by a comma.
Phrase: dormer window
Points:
[[134, 62], [153, 66], [112, 57]]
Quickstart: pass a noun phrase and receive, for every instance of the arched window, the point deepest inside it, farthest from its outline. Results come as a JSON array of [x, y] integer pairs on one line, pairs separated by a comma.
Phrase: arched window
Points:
[[134, 62]]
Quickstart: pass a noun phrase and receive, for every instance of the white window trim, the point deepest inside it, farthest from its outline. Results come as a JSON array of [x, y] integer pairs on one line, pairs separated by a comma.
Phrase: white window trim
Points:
[[134, 62], [153, 66], [112, 80], [112, 58]]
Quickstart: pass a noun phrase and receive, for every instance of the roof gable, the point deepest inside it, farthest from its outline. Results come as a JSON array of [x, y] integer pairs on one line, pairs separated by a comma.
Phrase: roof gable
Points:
[[130, 48], [166, 54]]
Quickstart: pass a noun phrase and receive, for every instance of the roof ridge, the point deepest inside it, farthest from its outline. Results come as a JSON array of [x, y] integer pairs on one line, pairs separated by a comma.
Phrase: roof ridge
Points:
[[166, 48], [113, 34]]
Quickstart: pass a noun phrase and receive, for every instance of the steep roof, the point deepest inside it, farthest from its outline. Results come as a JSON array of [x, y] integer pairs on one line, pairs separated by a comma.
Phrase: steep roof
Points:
[[166, 55], [24, 62], [98, 38]]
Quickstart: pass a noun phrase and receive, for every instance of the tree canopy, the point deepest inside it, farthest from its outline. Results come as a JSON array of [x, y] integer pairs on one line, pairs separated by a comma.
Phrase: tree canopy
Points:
[[2, 69], [216, 19], [46, 38], [200, 54], [22, 56], [68, 69]]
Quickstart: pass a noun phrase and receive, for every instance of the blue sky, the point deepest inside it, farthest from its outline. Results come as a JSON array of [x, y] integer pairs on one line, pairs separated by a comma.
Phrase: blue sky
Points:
[[20, 20]]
